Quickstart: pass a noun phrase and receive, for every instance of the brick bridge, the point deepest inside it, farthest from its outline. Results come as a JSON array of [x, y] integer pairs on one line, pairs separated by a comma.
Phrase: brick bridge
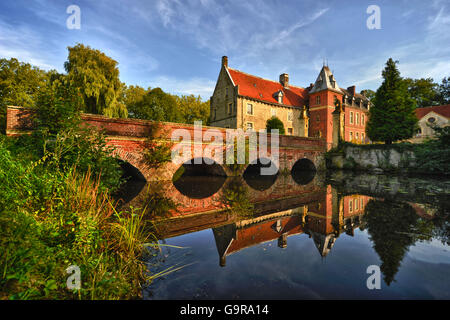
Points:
[[131, 137]]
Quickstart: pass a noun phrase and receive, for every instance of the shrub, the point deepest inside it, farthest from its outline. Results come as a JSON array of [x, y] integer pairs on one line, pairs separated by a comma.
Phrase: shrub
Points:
[[275, 123]]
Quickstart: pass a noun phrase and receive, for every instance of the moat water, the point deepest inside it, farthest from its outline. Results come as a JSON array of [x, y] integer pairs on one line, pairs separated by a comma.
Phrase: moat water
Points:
[[301, 236]]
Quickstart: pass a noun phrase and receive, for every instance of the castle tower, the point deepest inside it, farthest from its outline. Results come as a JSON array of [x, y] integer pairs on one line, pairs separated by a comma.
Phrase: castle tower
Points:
[[321, 105]]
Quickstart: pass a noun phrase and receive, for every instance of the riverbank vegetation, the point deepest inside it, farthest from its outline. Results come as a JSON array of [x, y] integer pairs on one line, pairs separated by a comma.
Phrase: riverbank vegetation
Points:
[[57, 189], [57, 211]]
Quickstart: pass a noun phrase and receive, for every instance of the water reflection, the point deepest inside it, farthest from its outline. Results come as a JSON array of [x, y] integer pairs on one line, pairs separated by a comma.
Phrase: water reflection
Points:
[[199, 187], [351, 221], [303, 171], [255, 179]]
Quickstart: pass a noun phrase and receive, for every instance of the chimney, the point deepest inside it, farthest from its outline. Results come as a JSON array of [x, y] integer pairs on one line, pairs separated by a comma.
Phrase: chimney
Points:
[[352, 90], [284, 80], [225, 61]]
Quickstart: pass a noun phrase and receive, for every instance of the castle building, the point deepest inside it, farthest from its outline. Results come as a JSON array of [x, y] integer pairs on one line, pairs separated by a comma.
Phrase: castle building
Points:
[[241, 100], [429, 117]]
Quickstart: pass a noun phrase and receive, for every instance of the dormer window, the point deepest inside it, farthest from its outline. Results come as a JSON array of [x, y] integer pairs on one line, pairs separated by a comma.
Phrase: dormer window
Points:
[[279, 96], [332, 81]]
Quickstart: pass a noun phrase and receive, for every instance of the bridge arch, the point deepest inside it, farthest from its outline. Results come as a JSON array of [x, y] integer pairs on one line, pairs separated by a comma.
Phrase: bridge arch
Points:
[[253, 174], [303, 171]]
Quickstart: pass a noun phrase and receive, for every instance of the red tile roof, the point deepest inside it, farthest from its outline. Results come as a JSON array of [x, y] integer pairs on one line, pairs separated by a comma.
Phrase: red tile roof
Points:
[[442, 110], [263, 89]]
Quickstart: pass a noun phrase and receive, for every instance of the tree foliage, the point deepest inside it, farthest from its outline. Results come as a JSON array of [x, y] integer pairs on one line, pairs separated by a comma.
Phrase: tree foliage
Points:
[[369, 94], [392, 116], [275, 123], [157, 105], [424, 91], [444, 90], [97, 77], [132, 96], [20, 84], [193, 109]]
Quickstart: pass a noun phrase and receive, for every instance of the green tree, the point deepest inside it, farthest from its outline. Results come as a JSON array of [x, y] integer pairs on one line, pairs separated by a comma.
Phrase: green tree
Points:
[[97, 77], [369, 94], [392, 116], [424, 91], [193, 109], [132, 96], [444, 90], [275, 123], [59, 105], [157, 105], [20, 84]]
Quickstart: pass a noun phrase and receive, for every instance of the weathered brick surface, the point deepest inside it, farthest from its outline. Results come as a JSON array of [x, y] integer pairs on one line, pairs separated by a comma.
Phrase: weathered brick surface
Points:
[[130, 137]]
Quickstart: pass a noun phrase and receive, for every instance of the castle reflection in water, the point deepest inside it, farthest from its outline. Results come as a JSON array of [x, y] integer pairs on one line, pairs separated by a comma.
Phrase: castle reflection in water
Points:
[[281, 207]]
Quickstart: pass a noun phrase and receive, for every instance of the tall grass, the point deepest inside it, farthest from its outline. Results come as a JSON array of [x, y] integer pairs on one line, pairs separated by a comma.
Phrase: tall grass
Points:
[[51, 219]]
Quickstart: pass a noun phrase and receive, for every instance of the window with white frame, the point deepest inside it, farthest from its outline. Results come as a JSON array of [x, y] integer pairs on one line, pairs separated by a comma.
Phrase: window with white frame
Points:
[[290, 131], [318, 100], [274, 112], [249, 126], [357, 117], [249, 108], [351, 117]]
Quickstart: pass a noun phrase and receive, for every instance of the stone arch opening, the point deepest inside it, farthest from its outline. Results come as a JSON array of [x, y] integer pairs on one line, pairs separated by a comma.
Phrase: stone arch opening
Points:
[[199, 179], [303, 171], [256, 178], [134, 182]]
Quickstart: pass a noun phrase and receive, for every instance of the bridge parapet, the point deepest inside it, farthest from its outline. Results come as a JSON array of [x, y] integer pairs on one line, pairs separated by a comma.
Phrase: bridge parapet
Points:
[[130, 137]]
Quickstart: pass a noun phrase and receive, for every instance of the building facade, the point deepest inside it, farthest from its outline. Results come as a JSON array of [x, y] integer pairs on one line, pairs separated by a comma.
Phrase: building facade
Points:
[[241, 100], [429, 117]]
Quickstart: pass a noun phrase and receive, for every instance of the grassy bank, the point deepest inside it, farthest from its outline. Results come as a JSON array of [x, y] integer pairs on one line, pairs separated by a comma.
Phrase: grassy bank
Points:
[[57, 212]]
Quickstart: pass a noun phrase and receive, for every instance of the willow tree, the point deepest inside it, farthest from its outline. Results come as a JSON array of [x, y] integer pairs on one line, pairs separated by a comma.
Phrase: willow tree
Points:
[[97, 78], [392, 116]]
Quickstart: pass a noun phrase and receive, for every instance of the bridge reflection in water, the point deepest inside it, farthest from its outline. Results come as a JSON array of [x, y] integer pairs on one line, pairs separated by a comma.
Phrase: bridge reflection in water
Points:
[[283, 205], [355, 222]]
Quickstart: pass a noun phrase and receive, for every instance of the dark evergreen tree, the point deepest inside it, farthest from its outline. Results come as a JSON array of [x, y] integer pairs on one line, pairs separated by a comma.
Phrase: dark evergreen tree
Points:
[[392, 116], [392, 228]]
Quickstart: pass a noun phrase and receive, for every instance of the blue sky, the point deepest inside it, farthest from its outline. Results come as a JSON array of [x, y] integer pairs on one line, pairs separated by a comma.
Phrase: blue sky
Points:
[[178, 44]]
